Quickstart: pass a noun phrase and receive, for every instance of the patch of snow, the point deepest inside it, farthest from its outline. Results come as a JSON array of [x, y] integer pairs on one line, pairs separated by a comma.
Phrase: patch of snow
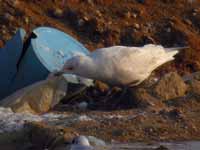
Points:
[[52, 116], [114, 117], [84, 118], [10, 121]]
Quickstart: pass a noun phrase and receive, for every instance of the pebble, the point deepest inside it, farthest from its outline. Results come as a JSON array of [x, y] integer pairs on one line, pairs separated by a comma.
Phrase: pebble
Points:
[[3, 31], [83, 105], [134, 15], [137, 26], [58, 12], [128, 14], [8, 17], [141, 1], [161, 147], [95, 141], [168, 30], [188, 21], [197, 10], [27, 20], [86, 18], [80, 22], [90, 2], [194, 13], [99, 13]]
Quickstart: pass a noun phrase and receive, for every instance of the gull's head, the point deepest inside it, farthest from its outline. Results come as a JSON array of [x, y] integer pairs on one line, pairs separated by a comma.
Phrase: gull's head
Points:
[[81, 140], [80, 65], [72, 65]]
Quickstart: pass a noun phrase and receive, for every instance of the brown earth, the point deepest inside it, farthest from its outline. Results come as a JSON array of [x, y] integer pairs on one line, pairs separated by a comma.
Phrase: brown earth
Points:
[[102, 23]]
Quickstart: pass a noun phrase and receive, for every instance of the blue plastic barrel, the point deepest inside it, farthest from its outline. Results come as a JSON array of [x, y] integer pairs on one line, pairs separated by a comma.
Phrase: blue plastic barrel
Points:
[[9, 56], [46, 53]]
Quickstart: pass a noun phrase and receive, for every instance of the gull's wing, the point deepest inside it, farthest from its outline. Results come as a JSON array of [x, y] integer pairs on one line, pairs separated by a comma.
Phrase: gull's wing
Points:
[[126, 64]]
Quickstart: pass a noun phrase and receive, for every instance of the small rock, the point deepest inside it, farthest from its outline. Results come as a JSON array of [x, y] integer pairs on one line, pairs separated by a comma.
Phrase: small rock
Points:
[[90, 2], [58, 13], [3, 31], [85, 18], [137, 26], [8, 17], [82, 105], [194, 13], [101, 86], [196, 9], [191, 1], [128, 14], [99, 13], [175, 114], [134, 15], [170, 86], [141, 1], [27, 20], [95, 141], [168, 30], [161, 147], [43, 136], [172, 114], [192, 76], [142, 98], [195, 87], [80, 22], [188, 21]]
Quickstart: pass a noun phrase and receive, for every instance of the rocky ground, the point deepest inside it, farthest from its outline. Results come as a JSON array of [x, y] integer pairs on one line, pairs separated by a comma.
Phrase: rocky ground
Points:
[[101, 23], [165, 107]]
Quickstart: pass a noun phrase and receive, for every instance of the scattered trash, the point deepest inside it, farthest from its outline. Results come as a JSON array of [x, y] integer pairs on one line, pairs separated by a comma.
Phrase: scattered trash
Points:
[[41, 54], [95, 141], [84, 118], [81, 143], [38, 97], [10, 55], [82, 105]]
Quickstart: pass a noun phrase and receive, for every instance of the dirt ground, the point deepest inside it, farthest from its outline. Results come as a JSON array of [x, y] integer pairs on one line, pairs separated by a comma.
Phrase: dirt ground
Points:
[[101, 23]]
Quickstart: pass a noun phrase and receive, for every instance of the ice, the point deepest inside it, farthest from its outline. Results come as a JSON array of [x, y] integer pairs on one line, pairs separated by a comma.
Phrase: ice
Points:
[[10, 121]]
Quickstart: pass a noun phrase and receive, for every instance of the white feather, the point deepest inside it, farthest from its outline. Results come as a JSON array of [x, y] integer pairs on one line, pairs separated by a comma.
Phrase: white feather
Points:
[[121, 65]]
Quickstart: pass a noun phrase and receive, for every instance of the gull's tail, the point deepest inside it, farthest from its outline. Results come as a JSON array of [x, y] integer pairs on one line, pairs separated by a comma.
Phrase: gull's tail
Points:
[[171, 52], [176, 48]]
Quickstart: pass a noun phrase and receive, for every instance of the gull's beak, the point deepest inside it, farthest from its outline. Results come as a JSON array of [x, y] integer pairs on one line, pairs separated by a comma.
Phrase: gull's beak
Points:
[[63, 71], [59, 73]]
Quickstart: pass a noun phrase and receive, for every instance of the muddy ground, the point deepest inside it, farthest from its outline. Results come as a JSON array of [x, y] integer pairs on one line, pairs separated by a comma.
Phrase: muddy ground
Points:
[[100, 23]]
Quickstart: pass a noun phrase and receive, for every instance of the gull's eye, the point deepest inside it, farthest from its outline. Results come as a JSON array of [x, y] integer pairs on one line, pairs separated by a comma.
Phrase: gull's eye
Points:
[[70, 68], [74, 141]]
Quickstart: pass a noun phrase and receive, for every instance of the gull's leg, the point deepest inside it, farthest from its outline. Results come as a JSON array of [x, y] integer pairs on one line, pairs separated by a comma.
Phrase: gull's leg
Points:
[[108, 95], [123, 93]]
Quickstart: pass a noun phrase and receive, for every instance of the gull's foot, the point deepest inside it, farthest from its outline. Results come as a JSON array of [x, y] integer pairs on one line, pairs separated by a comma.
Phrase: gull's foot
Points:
[[54, 74], [116, 104]]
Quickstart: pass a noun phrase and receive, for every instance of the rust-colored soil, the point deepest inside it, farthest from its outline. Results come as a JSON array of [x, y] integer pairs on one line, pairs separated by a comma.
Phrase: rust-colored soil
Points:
[[101, 23]]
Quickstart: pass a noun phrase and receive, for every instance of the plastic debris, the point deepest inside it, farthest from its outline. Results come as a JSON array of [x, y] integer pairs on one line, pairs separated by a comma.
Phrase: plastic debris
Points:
[[9, 56], [31, 61]]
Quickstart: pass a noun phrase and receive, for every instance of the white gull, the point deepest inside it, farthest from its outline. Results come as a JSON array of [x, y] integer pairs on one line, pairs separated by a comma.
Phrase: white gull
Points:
[[120, 65]]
